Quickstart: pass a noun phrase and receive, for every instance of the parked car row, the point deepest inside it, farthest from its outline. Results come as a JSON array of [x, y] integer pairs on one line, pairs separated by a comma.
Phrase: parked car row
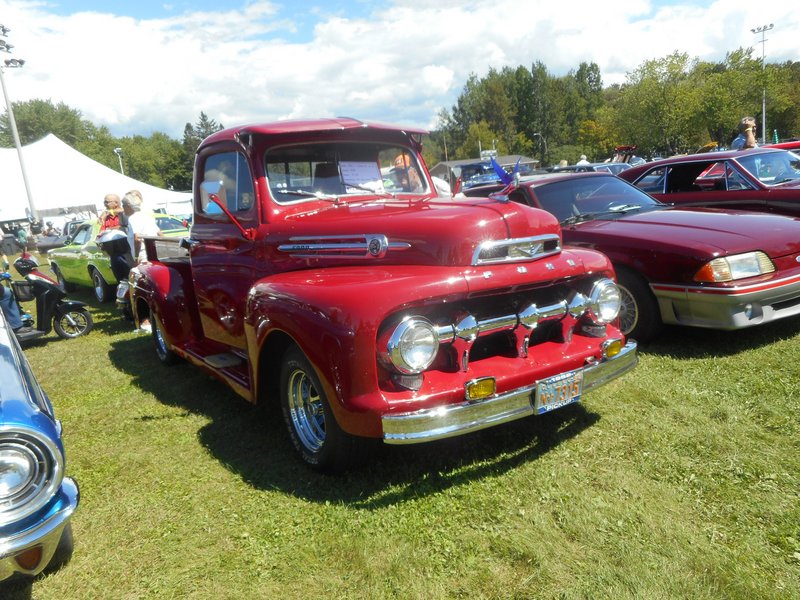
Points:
[[81, 261], [761, 179], [696, 266]]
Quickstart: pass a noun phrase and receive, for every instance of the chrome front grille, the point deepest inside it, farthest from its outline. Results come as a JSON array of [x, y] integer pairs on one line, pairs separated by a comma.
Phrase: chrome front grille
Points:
[[465, 330], [494, 252]]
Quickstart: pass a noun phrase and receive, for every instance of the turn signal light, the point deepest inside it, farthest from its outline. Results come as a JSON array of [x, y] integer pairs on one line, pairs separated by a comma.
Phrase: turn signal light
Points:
[[478, 389], [29, 559], [612, 347]]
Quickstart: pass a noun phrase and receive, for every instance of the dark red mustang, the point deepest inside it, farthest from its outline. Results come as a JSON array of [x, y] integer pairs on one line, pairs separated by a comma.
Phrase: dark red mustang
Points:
[[763, 179], [722, 269]]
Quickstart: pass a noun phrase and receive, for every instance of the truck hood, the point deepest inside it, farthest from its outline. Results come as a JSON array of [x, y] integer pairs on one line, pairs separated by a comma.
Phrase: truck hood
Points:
[[431, 232], [705, 231]]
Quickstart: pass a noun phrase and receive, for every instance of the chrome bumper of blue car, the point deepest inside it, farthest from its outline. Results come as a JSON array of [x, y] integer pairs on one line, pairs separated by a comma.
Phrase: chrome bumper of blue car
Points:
[[45, 534]]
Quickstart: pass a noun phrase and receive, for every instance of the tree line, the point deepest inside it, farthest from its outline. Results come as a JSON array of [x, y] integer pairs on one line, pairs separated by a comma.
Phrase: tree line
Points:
[[669, 105], [666, 106]]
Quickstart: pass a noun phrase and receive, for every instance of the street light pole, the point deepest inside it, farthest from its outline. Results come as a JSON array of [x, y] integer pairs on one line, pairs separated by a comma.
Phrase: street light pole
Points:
[[544, 141], [15, 63], [118, 152], [763, 31]]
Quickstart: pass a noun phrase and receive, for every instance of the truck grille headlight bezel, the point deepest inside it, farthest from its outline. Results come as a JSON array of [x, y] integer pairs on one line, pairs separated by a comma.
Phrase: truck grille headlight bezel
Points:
[[412, 346], [31, 470], [605, 301]]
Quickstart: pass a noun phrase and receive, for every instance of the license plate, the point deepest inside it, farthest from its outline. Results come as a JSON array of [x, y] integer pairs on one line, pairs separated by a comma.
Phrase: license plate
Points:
[[557, 391]]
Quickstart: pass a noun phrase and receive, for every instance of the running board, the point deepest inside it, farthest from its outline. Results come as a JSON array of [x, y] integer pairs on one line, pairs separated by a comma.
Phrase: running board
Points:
[[222, 361]]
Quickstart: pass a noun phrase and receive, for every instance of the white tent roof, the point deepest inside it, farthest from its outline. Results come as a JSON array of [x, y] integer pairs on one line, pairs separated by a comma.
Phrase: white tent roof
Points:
[[60, 177]]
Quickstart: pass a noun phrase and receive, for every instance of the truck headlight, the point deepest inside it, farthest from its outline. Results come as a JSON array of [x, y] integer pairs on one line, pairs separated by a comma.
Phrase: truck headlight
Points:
[[30, 472], [413, 345], [605, 301], [738, 266]]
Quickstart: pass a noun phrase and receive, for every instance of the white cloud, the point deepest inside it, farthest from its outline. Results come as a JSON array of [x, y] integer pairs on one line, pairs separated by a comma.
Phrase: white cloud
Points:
[[402, 64]]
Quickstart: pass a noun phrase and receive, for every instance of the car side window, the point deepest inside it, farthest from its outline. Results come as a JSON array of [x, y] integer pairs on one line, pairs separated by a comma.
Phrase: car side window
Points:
[[83, 235], [735, 180], [229, 174], [653, 181]]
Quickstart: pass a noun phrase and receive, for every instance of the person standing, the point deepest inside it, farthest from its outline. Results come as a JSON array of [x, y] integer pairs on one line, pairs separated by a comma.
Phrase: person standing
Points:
[[22, 237], [8, 304], [747, 135], [112, 216], [141, 224], [582, 161]]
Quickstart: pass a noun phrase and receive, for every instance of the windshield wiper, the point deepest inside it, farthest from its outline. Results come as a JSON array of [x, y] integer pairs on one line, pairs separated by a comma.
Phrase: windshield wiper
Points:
[[364, 188], [615, 210], [307, 194]]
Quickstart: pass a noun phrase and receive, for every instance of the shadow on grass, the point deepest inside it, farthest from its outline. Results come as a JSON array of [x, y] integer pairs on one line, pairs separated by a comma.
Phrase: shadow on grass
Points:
[[253, 443], [694, 342]]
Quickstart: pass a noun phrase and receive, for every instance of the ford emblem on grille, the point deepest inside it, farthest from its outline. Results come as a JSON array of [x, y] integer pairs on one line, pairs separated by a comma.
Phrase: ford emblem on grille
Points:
[[377, 245]]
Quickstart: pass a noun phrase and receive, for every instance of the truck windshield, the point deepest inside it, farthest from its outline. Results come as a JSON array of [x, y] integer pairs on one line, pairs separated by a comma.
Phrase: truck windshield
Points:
[[325, 170]]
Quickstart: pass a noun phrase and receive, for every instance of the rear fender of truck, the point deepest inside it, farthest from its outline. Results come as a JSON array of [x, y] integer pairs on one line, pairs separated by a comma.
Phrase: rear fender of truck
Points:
[[167, 290]]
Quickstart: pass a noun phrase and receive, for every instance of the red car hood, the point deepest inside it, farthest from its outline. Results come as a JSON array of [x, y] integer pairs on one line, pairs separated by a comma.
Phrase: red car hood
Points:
[[713, 232], [434, 232]]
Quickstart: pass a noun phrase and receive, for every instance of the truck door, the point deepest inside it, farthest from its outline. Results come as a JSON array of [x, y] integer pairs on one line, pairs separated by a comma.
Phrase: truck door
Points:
[[224, 264]]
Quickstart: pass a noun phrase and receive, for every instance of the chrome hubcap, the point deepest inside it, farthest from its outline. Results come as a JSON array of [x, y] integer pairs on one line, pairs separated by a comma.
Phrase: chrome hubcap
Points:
[[628, 312], [305, 408], [73, 324]]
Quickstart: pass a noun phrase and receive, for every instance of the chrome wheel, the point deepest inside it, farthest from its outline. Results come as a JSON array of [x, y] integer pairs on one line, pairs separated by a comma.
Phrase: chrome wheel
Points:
[[628, 312], [310, 422], [639, 315], [101, 289], [72, 324], [306, 410], [165, 355]]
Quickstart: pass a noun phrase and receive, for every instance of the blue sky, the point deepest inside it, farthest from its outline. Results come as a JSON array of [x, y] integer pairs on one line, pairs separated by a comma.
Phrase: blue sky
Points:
[[143, 66]]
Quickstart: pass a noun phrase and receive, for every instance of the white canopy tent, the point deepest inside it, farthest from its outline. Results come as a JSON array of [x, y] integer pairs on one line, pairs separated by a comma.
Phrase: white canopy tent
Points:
[[63, 181]]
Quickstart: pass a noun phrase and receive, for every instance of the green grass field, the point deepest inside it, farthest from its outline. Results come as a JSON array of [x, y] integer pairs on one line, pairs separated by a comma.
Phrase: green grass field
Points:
[[679, 480]]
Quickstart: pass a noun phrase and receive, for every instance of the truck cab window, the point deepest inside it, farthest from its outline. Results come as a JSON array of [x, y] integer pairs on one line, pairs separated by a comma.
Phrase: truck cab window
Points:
[[231, 174]]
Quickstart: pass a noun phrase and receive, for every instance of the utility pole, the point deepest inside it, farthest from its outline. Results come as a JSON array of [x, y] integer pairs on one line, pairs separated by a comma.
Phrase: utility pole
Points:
[[15, 63], [763, 30]]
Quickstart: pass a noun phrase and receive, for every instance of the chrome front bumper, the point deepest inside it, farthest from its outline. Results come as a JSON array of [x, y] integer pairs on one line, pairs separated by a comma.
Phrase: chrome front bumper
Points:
[[458, 419], [46, 534]]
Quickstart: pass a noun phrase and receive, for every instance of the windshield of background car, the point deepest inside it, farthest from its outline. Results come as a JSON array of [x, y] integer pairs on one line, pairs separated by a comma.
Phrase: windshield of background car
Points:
[[772, 168], [308, 171], [578, 196]]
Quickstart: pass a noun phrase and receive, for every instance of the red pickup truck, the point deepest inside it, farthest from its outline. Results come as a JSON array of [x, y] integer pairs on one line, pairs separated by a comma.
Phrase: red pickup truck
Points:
[[323, 270]]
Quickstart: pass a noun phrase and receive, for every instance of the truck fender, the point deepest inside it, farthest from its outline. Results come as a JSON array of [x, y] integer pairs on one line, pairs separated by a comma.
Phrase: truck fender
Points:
[[336, 325], [167, 292]]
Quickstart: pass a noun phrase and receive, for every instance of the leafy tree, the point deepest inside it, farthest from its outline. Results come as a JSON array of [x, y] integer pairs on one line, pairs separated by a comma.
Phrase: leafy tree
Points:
[[194, 134], [728, 91], [480, 136], [36, 118], [659, 107], [157, 160]]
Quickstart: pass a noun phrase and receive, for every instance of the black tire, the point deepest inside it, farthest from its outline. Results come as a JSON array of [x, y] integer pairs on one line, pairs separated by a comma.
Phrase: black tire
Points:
[[73, 323], [64, 550], [163, 352], [102, 291], [127, 313], [62, 283], [639, 317], [312, 427]]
